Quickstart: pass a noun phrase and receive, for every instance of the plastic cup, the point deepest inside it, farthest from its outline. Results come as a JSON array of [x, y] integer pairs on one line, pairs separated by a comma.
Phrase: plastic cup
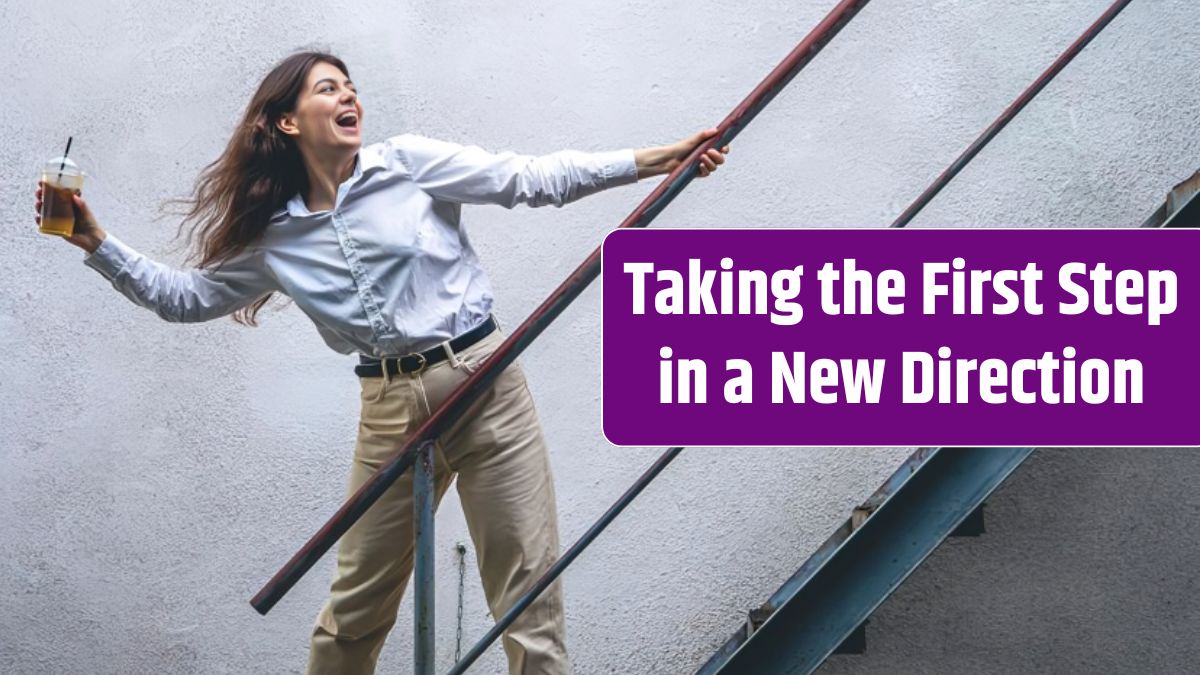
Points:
[[58, 207]]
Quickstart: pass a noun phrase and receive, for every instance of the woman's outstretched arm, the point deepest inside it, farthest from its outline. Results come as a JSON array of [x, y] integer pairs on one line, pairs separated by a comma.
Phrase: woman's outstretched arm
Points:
[[181, 296], [472, 175]]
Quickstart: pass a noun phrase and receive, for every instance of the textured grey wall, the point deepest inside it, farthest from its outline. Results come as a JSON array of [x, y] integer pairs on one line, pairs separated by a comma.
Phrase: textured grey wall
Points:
[[155, 475]]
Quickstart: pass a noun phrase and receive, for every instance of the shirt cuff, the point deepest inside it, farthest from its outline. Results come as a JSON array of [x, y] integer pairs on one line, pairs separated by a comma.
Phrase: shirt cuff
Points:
[[619, 166], [110, 257]]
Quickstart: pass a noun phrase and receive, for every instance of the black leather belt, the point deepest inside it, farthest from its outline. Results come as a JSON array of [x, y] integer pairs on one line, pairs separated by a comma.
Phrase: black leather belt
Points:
[[370, 366]]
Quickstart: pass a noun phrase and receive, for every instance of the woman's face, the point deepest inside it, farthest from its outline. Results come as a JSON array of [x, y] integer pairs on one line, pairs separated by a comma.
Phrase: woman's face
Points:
[[327, 97]]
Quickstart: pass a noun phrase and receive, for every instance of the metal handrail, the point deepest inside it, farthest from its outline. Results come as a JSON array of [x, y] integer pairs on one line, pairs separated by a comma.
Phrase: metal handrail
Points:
[[940, 182], [419, 446], [1009, 113]]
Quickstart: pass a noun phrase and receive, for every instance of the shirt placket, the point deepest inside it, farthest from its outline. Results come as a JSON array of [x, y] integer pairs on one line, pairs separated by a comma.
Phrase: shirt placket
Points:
[[382, 333]]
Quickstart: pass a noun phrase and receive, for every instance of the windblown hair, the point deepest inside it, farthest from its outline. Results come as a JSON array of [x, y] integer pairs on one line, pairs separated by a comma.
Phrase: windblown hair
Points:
[[259, 170]]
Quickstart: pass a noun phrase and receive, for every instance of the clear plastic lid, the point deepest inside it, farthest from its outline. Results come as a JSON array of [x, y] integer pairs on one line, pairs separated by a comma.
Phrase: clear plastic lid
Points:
[[69, 168]]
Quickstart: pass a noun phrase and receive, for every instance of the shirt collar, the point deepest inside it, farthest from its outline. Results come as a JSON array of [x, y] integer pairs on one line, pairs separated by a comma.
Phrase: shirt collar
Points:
[[368, 158]]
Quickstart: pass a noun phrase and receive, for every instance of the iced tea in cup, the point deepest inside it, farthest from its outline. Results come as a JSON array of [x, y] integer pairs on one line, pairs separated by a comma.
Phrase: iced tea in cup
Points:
[[61, 179]]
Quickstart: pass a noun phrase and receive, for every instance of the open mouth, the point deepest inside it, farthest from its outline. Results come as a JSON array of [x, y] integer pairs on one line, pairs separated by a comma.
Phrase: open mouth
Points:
[[349, 122]]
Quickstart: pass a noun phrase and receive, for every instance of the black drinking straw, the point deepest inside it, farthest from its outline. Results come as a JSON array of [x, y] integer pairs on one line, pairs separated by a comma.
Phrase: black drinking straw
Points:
[[64, 162]]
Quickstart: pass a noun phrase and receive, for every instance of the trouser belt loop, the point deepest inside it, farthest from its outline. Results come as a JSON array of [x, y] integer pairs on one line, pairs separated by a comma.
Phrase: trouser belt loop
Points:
[[450, 355]]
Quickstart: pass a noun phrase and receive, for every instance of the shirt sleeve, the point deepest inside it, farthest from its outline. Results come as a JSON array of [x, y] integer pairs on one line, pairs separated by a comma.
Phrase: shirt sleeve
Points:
[[472, 175], [182, 296]]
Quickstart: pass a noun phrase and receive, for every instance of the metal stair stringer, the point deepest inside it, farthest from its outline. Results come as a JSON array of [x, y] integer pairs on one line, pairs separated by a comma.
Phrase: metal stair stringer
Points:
[[865, 560]]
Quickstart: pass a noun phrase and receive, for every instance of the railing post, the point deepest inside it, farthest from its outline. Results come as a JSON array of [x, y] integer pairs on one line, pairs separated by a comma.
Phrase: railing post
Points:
[[423, 579]]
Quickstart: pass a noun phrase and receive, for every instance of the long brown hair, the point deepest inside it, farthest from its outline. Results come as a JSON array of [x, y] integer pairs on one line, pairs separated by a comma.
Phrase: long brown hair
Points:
[[259, 170]]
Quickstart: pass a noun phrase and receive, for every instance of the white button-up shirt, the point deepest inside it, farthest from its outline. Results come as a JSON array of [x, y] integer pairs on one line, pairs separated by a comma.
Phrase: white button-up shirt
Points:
[[389, 269]]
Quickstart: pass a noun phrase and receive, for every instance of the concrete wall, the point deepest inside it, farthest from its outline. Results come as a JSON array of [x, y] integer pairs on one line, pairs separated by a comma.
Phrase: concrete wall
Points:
[[155, 475]]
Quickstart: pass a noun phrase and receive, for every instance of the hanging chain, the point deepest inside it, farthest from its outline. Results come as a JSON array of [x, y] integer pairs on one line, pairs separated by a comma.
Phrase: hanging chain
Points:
[[462, 573]]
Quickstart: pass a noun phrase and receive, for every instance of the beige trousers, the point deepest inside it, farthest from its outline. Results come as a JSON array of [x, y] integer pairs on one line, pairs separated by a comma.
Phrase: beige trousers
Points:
[[499, 456]]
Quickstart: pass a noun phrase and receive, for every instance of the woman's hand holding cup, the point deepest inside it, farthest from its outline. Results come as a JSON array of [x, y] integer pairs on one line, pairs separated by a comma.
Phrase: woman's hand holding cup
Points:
[[87, 233]]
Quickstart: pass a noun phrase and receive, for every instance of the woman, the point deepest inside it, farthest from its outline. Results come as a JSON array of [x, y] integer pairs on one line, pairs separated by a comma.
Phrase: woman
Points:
[[367, 241]]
